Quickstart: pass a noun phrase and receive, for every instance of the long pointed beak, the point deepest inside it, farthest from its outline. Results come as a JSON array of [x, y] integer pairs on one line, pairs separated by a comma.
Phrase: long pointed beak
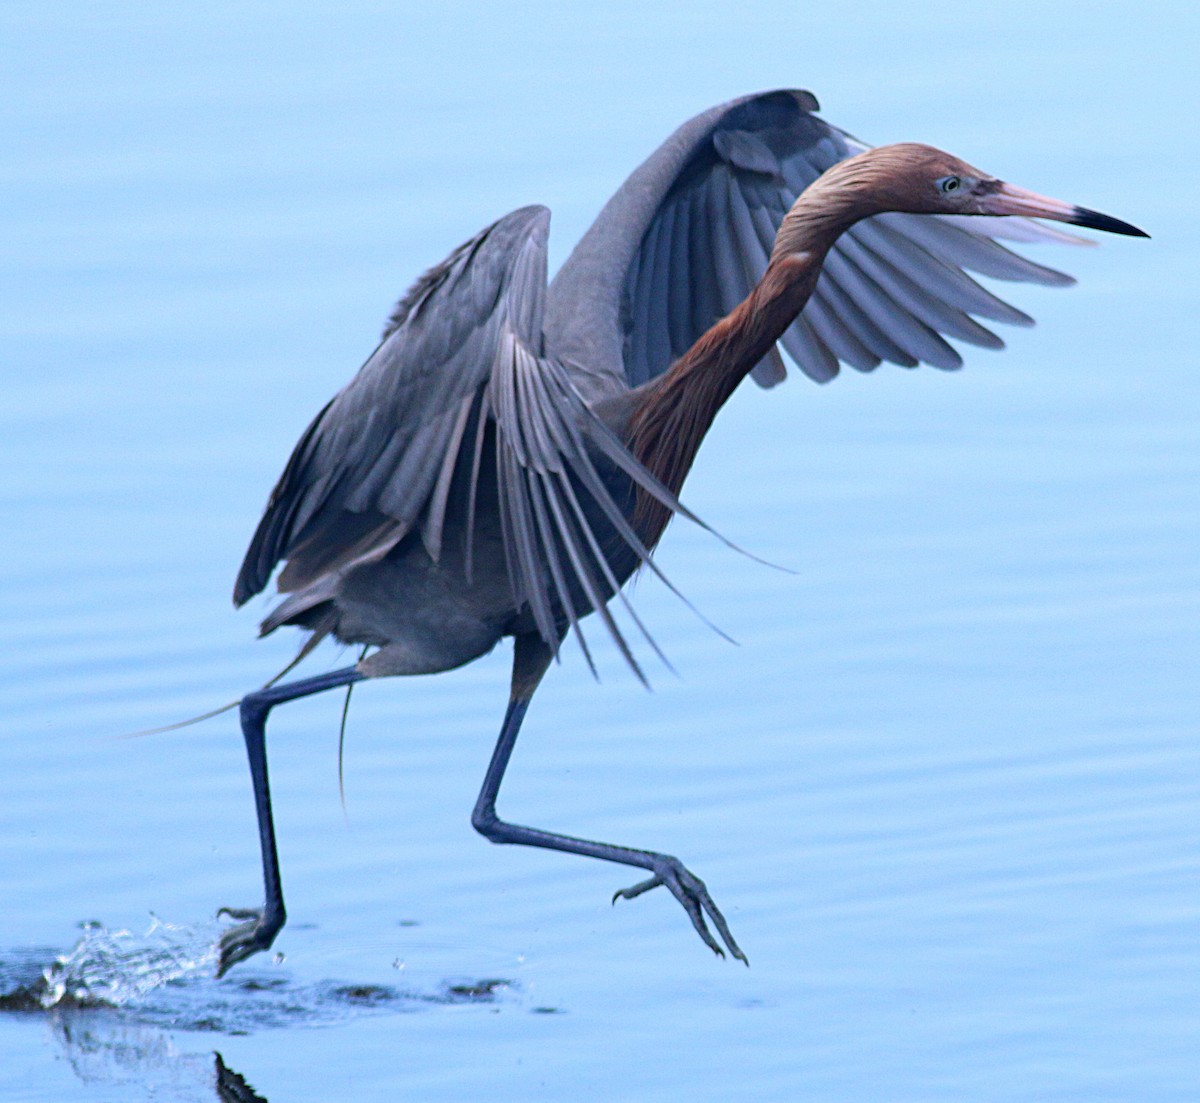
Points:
[[1009, 199]]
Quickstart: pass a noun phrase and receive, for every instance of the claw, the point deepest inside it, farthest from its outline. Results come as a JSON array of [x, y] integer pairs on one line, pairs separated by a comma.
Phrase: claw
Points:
[[634, 891], [692, 893], [247, 938]]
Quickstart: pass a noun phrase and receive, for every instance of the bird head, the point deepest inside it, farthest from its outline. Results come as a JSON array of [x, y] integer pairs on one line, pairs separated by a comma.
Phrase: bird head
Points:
[[922, 180]]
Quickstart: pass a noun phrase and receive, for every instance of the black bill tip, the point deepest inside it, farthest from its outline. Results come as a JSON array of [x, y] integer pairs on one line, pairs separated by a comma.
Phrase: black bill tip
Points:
[[1094, 220]]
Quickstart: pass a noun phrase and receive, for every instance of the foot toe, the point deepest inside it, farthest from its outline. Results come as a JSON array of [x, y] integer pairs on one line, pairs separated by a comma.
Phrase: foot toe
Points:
[[245, 939], [693, 895]]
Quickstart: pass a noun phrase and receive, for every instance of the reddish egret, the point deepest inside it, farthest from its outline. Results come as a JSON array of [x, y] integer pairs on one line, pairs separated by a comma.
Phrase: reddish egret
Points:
[[511, 453]]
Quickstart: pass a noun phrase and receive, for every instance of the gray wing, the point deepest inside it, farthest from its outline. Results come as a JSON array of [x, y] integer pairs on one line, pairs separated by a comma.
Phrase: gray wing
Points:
[[690, 232], [461, 352]]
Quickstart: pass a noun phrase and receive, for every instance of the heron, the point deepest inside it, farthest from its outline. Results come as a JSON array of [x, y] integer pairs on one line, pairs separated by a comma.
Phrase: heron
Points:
[[512, 451]]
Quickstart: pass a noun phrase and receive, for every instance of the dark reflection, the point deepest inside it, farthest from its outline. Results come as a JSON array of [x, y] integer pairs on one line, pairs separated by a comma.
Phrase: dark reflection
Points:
[[480, 991], [232, 1086]]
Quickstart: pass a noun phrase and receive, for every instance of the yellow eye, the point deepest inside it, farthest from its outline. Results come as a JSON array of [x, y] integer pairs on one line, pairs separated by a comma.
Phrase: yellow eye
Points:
[[948, 184]]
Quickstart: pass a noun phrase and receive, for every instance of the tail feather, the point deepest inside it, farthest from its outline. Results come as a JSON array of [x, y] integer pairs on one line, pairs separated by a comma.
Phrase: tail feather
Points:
[[303, 653]]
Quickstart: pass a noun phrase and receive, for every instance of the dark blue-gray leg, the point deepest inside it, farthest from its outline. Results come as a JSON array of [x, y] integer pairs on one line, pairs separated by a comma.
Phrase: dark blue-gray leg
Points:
[[530, 660], [261, 925]]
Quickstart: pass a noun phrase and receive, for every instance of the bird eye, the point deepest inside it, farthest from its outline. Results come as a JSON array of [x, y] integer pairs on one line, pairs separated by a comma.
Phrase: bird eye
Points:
[[948, 184]]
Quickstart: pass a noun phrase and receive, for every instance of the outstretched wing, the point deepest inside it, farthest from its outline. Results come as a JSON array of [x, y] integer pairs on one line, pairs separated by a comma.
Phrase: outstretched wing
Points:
[[364, 471], [462, 352], [690, 232]]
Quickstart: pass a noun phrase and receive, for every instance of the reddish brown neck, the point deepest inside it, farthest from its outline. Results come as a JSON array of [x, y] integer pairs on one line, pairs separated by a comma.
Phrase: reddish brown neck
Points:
[[674, 412]]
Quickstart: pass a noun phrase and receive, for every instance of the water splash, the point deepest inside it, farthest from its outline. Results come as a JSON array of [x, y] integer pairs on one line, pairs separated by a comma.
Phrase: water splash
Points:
[[112, 967], [114, 981]]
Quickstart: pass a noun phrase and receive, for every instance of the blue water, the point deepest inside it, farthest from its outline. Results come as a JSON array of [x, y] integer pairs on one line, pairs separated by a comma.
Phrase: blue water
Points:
[[946, 786]]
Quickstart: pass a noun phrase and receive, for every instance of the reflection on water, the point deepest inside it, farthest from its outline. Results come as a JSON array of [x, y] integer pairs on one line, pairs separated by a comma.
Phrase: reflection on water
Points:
[[106, 1051], [232, 1086]]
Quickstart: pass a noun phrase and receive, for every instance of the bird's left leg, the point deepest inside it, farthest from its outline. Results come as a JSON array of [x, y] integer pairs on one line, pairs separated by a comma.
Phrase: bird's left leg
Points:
[[259, 926], [531, 657]]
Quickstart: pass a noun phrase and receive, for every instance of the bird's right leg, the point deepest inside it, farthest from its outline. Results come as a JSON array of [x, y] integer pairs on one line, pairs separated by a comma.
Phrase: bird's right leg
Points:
[[261, 925], [531, 657]]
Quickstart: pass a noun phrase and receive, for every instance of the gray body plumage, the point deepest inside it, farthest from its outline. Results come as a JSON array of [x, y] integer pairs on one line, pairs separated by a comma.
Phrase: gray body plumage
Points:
[[471, 481]]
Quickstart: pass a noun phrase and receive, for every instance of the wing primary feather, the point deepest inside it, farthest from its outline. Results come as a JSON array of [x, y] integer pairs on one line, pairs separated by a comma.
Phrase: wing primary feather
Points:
[[598, 602], [539, 452], [591, 481], [731, 284], [973, 250], [917, 334], [271, 534], [615, 451], [853, 269], [835, 331], [1025, 230], [571, 442], [537, 493], [922, 297], [803, 345], [678, 280], [505, 459], [481, 422], [642, 365], [945, 280], [528, 552], [571, 447], [753, 257], [550, 535], [435, 518], [524, 560], [703, 272], [808, 351], [279, 534], [658, 335], [606, 569], [864, 296], [876, 344], [545, 416], [587, 580]]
